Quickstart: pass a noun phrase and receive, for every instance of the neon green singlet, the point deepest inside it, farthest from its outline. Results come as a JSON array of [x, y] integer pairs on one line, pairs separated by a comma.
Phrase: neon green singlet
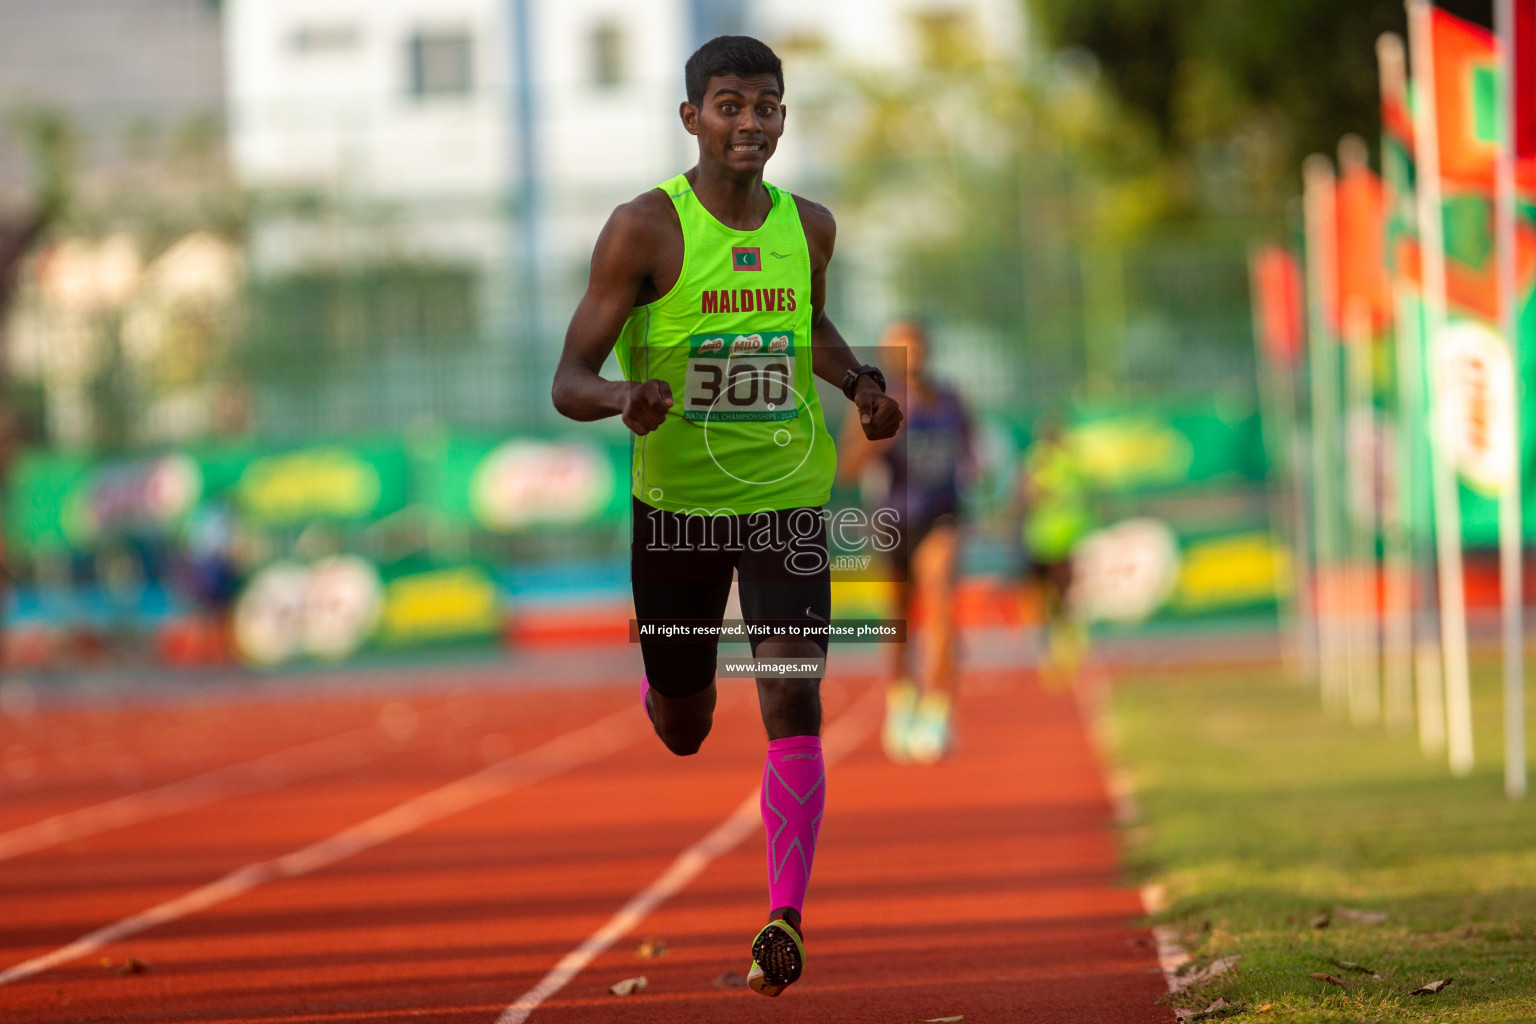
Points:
[[733, 339]]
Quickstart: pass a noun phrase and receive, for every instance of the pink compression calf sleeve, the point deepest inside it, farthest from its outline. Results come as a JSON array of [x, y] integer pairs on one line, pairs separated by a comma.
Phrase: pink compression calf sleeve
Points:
[[793, 797]]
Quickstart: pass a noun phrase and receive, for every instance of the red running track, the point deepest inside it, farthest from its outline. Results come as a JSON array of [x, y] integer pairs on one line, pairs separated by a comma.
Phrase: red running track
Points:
[[986, 886]]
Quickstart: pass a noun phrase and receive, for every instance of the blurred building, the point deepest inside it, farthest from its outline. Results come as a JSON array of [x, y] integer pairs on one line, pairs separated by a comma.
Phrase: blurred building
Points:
[[119, 71], [444, 166], [416, 184], [118, 105]]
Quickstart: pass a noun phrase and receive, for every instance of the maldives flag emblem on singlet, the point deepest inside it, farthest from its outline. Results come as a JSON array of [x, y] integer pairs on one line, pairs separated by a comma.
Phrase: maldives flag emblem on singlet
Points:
[[746, 258]]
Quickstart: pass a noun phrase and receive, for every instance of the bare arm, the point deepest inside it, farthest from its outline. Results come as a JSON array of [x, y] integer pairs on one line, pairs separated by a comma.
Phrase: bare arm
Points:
[[623, 263], [831, 358]]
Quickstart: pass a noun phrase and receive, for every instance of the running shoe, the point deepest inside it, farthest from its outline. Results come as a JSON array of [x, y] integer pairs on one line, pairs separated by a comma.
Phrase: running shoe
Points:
[[900, 703], [929, 737], [1066, 647], [778, 957]]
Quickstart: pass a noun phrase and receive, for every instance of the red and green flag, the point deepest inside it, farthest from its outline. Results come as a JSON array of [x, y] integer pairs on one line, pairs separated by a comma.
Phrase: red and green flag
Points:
[[1525, 90], [1363, 277], [1467, 103], [1277, 288], [1468, 108]]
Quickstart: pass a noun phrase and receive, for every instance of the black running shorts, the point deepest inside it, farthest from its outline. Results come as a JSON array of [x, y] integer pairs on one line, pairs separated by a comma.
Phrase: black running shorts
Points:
[[681, 566]]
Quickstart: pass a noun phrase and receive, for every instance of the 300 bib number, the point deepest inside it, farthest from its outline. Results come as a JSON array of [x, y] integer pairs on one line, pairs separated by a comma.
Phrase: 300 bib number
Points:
[[741, 377]]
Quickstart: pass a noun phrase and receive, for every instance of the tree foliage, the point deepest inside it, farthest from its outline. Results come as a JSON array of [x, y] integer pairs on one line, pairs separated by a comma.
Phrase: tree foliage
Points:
[[1248, 87], [1009, 197]]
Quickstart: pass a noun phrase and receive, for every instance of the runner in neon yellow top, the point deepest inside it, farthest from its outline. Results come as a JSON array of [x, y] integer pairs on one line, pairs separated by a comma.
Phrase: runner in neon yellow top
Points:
[[1059, 516], [732, 337], [712, 286]]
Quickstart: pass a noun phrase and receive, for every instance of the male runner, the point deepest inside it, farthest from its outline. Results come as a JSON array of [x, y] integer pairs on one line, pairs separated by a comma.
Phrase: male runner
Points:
[[712, 288], [1057, 517], [926, 466]]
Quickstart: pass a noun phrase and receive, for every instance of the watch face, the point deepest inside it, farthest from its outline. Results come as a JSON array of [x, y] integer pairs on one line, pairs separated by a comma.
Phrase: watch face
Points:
[[851, 378]]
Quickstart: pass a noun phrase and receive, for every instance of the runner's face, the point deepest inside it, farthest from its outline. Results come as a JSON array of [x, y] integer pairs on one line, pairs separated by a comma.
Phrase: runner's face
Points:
[[905, 345], [739, 122]]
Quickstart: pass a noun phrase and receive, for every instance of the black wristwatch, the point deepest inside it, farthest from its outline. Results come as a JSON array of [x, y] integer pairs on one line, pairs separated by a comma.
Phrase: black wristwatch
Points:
[[851, 378]]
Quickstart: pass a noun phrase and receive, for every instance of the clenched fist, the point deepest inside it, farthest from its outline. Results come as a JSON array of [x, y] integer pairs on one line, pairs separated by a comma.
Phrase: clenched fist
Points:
[[646, 407], [879, 413]]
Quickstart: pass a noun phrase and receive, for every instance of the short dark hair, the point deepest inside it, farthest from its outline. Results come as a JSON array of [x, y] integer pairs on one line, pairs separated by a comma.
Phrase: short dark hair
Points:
[[730, 55]]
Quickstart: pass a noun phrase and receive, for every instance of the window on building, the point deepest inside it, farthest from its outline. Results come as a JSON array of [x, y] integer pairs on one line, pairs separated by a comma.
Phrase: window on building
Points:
[[442, 64], [315, 39], [606, 52]]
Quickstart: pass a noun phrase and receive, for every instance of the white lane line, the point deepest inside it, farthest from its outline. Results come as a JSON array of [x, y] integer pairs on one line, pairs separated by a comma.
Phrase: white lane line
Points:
[[603, 737], [268, 771], [841, 738]]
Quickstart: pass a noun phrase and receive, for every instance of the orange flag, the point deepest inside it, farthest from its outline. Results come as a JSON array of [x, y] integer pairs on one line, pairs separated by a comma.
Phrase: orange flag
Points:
[[1466, 99], [1468, 109], [1277, 291], [1363, 274]]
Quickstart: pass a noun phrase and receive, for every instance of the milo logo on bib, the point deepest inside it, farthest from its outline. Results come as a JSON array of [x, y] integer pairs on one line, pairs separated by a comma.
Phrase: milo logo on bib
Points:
[[746, 376]]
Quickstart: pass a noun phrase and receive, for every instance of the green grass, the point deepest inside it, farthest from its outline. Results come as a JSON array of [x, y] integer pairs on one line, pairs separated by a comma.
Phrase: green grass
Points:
[[1259, 812]]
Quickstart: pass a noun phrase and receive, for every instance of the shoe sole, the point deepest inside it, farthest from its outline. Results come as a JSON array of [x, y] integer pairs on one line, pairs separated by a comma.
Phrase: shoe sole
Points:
[[777, 959]]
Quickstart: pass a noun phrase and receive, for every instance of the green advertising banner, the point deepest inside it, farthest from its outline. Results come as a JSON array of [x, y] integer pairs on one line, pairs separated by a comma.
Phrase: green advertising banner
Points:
[[333, 608], [530, 483], [324, 483], [1145, 569], [65, 500], [1148, 450], [75, 501]]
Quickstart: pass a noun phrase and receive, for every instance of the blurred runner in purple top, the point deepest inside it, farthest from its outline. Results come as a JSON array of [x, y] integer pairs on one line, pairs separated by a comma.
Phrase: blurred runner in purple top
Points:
[[924, 466]]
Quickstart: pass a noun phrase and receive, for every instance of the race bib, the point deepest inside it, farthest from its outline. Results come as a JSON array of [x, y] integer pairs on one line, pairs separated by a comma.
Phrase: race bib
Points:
[[741, 377]]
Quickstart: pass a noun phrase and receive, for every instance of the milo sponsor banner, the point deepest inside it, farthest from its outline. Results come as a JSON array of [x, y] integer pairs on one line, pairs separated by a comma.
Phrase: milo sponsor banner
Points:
[[1142, 569], [291, 611], [337, 607], [324, 482], [64, 500], [523, 482], [527, 483], [1478, 408], [502, 485], [1481, 387], [1140, 451], [440, 605]]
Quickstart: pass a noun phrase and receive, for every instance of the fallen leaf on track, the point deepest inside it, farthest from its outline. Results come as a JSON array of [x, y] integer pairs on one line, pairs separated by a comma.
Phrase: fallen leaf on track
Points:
[[1205, 974], [650, 949], [1330, 979], [629, 986], [1431, 988], [1350, 965], [730, 979], [1359, 916], [1320, 921], [1215, 1011], [1266, 1006], [132, 965]]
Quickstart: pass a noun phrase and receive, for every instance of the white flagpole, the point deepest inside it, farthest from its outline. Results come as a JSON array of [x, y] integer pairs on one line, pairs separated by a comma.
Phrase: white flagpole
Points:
[[1397, 600], [1277, 405], [1365, 648], [1447, 496], [1321, 214], [1429, 694], [1360, 489], [1510, 567]]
